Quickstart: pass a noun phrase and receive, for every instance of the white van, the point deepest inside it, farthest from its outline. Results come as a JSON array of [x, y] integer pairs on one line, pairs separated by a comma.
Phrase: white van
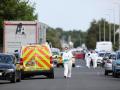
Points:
[[104, 46]]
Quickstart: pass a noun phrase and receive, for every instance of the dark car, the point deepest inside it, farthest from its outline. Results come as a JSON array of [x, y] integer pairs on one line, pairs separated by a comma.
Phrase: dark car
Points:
[[116, 65], [9, 68]]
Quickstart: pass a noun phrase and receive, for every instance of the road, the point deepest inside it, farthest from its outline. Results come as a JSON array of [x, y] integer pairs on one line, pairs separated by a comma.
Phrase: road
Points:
[[82, 79]]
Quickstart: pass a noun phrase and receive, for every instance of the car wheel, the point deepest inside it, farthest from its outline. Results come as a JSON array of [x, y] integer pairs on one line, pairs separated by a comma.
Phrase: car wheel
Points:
[[13, 80], [115, 74], [51, 74], [73, 65], [19, 77], [106, 72]]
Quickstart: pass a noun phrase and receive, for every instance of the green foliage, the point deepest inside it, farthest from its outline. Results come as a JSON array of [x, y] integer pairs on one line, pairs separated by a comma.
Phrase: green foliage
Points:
[[16, 10], [93, 33], [55, 36]]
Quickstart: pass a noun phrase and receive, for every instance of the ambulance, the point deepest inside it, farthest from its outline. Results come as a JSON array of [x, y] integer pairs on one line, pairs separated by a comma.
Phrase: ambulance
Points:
[[36, 60]]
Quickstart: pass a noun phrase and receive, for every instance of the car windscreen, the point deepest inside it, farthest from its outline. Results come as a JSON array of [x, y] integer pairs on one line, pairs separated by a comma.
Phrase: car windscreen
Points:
[[112, 56], [107, 55], [55, 53], [7, 59], [101, 54]]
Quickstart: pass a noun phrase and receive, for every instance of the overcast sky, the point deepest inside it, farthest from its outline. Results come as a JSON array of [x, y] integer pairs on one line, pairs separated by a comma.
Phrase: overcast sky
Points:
[[75, 14]]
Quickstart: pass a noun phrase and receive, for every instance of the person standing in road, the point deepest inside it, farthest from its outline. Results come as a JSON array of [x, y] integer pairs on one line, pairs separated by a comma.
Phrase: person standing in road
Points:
[[88, 59], [94, 57], [67, 60]]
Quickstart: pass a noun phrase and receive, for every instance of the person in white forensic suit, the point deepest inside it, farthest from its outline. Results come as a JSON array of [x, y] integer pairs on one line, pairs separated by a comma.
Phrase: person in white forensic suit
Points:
[[88, 59], [67, 60], [94, 57]]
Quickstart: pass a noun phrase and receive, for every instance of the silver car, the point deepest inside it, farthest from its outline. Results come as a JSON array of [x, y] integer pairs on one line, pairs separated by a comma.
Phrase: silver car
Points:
[[100, 57], [108, 63]]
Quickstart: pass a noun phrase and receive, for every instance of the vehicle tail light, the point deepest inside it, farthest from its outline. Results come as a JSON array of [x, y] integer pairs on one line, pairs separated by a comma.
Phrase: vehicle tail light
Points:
[[51, 60], [21, 61]]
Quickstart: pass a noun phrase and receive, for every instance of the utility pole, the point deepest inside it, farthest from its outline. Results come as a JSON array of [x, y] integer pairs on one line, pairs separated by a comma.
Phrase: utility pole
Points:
[[80, 38], [119, 26], [114, 25], [104, 29], [99, 32], [109, 24], [109, 29]]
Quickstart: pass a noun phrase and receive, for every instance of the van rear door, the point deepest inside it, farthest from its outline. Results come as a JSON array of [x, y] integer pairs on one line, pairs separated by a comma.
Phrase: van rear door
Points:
[[36, 58]]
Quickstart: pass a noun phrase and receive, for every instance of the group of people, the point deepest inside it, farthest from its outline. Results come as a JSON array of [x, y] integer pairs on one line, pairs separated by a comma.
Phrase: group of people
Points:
[[67, 60], [91, 56]]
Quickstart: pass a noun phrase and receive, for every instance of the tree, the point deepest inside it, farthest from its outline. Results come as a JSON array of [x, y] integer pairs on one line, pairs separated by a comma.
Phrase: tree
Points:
[[53, 36], [15, 10], [93, 33], [56, 35]]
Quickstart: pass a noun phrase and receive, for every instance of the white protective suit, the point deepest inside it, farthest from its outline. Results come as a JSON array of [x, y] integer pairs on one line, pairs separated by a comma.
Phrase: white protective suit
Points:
[[94, 57], [88, 59], [67, 59]]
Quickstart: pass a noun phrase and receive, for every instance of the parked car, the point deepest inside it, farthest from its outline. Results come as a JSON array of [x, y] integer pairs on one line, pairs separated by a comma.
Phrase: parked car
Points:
[[100, 57], [79, 55], [60, 60], [9, 68], [105, 58], [108, 63], [116, 65], [56, 56]]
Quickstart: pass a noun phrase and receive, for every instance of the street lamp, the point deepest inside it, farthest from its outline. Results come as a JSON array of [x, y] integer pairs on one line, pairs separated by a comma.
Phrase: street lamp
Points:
[[119, 26], [109, 26], [114, 25], [119, 21], [99, 31], [104, 29]]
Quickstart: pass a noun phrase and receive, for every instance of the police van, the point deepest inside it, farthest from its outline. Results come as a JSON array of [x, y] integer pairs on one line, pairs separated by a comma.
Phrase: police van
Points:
[[36, 60]]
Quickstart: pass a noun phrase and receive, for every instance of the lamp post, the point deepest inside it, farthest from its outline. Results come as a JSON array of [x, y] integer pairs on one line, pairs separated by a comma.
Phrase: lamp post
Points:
[[109, 26], [109, 29], [114, 25], [119, 26], [99, 31], [104, 29], [119, 22]]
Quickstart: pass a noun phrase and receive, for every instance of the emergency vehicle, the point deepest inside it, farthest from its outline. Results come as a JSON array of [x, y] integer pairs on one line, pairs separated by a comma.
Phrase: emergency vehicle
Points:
[[36, 60], [60, 60], [56, 57]]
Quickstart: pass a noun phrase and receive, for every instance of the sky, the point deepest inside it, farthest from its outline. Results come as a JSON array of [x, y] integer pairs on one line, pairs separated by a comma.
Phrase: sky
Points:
[[76, 14]]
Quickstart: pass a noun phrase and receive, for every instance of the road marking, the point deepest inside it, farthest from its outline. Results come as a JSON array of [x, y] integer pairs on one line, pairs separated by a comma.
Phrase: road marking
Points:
[[78, 66]]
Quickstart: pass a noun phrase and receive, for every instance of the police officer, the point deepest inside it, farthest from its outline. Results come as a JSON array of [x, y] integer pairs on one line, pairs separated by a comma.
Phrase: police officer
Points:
[[67, 60]]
